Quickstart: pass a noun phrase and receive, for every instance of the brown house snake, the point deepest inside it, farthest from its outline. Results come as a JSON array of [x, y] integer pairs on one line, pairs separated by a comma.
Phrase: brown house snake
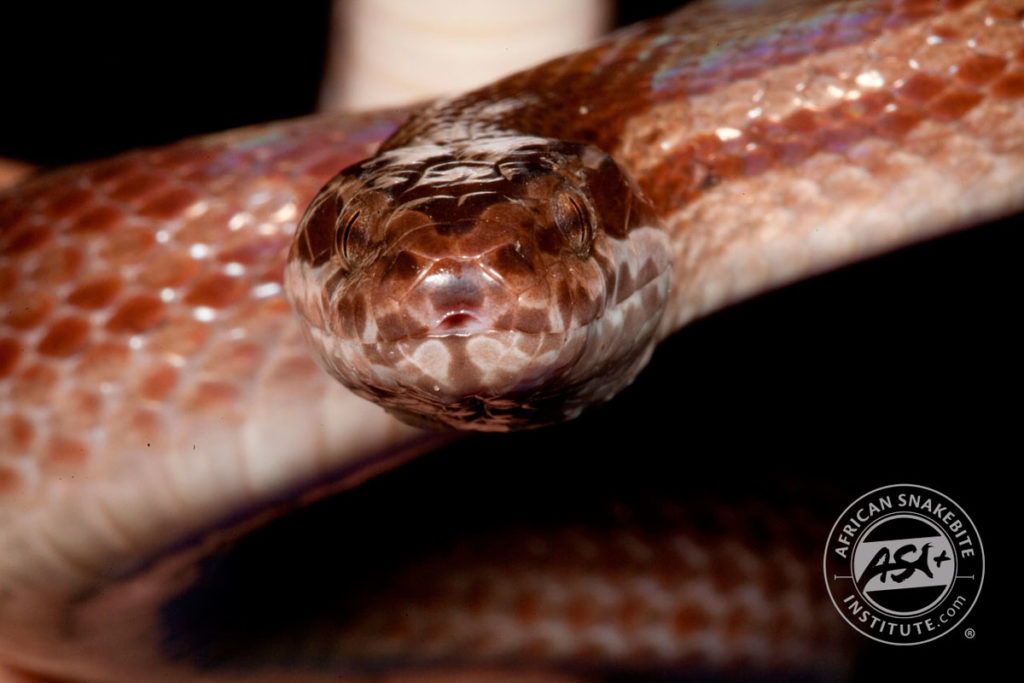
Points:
[[201, 364]]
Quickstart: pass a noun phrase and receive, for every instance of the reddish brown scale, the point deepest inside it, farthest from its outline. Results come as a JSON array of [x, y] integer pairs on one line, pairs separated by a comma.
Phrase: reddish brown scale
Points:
[[403, 270], [530, 321], [28, 237], [95, 294], [64, 452], [98, 219], [921, 88], [897, 124], [158, 383], [954, 105], [137, 314], [394, 326], [30, 311], [216, 291], [137, 186], [73, 200], [1010, 86], [65, 337]]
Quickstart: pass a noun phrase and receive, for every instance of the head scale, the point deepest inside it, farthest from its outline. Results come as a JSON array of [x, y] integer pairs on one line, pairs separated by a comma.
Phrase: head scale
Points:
[[487, 286]]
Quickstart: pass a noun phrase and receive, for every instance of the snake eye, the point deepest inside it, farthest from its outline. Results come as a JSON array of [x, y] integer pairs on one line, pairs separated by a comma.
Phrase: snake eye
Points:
[[352, 237], [573, 222]]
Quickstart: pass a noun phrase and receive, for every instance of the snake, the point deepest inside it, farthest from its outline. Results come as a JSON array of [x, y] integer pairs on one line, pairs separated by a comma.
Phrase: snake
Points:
[[481, 262]]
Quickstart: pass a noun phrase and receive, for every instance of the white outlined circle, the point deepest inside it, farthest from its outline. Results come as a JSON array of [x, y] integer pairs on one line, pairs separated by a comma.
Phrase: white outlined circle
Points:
[[904, 564]]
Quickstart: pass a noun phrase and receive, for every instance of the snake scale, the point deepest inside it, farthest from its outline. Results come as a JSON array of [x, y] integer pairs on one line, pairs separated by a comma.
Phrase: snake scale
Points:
[[159, 410]]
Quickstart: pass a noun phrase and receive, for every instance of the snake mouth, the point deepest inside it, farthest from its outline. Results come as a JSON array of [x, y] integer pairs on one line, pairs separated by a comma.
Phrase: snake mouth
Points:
[[458, 323]]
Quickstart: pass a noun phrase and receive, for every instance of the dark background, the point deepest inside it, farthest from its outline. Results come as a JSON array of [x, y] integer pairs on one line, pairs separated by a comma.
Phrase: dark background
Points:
[[86, 80], [902, 369]]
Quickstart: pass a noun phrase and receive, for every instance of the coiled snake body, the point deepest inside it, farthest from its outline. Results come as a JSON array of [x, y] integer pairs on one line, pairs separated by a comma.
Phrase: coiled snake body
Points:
[[155, 388]]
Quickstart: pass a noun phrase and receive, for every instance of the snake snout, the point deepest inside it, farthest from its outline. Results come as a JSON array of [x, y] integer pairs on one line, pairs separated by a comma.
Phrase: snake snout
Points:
[[458, 298]]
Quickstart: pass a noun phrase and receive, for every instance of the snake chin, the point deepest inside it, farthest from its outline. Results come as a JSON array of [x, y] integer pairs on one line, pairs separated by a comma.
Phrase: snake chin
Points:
[[500, 380], [482, 286]]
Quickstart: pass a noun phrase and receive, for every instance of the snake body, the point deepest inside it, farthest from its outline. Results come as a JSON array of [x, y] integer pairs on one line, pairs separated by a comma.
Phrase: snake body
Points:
[[154, 388]]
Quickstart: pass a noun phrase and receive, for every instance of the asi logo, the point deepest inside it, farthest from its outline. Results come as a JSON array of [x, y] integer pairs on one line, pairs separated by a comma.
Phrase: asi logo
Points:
[[904, 564]]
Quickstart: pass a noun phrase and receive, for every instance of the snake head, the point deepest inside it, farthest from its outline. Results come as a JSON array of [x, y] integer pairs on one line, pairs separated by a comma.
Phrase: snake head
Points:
[[488, 286]]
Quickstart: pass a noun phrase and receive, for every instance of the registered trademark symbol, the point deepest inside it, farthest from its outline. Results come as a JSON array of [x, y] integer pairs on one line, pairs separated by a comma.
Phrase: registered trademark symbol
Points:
[[969, 633]]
